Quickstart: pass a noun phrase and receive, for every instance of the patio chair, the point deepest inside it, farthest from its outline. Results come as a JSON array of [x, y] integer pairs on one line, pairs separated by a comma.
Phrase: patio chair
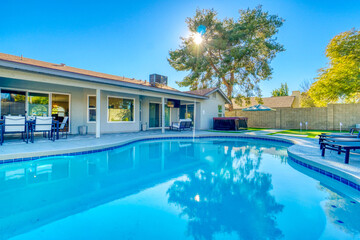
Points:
[[341, 140], [351, 132], [323, 137], [64, 127], [340, 147], [14, 124], [181, 125], [44, 125]]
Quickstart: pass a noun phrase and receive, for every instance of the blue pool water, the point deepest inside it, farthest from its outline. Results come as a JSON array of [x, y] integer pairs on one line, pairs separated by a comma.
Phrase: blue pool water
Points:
[[173, 189]]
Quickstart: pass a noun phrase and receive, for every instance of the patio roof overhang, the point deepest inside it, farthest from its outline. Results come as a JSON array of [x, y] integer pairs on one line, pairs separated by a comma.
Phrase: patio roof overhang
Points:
[[92, 79]]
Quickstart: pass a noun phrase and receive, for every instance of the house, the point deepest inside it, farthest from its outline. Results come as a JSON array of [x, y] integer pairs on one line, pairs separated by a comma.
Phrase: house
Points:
[[292, 101], [104, 103]]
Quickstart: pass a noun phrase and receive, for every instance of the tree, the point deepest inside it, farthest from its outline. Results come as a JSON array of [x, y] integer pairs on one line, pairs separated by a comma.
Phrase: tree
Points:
[[234, 55], [282, 91], [306, 100], [340, 81]]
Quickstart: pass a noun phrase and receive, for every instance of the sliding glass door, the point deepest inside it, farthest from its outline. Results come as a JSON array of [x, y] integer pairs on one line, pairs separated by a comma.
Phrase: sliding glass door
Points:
[[187, 111], [155, 115], [60, 107], [38, 104]]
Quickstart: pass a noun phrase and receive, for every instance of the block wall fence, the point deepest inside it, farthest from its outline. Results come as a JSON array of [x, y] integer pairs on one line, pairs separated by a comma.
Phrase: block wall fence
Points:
[[318, 118]]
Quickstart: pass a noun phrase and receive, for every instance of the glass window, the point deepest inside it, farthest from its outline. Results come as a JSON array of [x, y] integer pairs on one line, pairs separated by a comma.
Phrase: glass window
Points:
[[120, 109], [12, 102], [220, 114], [190, 111], [182, 111], [38, 104], [92, 109]]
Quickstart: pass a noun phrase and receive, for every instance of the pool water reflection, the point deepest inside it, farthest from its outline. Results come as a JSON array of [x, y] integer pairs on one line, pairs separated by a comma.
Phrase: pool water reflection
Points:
[[172, 189]]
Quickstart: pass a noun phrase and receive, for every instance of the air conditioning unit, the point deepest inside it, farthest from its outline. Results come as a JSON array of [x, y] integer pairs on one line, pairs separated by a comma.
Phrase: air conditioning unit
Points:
[[157, 78]]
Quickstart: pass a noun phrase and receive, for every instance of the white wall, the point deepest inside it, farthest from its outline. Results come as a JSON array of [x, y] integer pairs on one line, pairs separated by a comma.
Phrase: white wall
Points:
[[209, 109], [111, 127]]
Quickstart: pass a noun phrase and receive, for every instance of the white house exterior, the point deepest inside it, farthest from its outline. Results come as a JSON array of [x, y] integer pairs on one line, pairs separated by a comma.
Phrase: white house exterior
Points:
[[104, 103]]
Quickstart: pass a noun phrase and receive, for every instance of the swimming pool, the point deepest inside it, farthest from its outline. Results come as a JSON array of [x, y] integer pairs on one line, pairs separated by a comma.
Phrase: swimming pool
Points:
[[211, 188]]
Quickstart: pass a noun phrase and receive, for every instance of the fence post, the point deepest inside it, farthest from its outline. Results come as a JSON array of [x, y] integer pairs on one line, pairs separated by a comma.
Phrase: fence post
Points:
[[330, 117], [278, 119]]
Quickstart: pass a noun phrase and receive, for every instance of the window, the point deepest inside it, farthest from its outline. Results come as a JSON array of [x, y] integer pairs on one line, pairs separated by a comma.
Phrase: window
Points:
[[220, 113], [120, 109], [187, 111], [190, 111], [38, 104], [12, 102], [91, 108]]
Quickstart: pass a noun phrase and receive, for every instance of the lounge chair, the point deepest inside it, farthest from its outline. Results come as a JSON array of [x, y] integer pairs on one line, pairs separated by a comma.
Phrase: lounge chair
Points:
[[351, 132], [14, 124], [349, 136], [340, 147], [183, 124]]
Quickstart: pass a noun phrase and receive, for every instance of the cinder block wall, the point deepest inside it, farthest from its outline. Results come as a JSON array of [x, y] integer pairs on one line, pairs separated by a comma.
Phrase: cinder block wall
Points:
[[324, 118]]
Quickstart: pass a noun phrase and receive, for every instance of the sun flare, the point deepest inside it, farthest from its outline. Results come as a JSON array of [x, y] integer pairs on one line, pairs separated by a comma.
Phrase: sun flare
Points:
[[198, 38]]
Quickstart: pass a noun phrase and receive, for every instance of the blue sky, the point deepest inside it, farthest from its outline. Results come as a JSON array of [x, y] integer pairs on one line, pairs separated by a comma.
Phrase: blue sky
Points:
[[132, 38]]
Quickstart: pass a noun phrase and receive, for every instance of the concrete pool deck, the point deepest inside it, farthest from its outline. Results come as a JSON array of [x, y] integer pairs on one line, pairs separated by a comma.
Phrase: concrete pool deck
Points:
[[305, 149]]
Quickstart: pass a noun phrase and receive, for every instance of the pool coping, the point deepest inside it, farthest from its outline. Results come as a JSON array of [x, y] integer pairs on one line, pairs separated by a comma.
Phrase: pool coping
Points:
[[332, 172]]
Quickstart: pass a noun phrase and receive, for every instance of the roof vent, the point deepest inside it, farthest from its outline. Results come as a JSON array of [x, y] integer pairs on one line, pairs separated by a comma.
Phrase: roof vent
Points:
[[62, 64], [157, 78]]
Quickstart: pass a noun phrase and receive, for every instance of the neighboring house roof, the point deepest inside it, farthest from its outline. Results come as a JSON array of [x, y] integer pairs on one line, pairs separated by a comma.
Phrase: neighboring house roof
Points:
[[207, 91], [272, 102]]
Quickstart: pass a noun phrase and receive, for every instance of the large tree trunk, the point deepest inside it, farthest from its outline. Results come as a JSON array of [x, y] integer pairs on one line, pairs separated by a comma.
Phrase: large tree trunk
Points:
[[229, 90]]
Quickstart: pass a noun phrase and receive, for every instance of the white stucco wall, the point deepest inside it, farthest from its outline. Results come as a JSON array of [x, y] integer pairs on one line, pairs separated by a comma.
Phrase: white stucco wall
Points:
[[209, 109]]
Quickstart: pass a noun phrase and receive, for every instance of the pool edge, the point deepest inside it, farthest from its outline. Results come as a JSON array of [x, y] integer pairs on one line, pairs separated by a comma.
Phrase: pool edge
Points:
[[340, 175]]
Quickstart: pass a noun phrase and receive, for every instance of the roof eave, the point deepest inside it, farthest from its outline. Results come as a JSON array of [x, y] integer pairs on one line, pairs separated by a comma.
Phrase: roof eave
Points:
[[221, 92], [83, 77]]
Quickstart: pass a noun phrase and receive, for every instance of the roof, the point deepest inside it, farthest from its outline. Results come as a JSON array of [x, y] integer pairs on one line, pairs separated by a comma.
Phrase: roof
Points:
[[65, 68], [201, 92], [271, 102], [207, 91]]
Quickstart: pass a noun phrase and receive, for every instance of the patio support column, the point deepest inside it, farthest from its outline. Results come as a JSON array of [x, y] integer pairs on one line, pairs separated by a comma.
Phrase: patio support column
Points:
[[98, 112], [162, 115], [194, 118]]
